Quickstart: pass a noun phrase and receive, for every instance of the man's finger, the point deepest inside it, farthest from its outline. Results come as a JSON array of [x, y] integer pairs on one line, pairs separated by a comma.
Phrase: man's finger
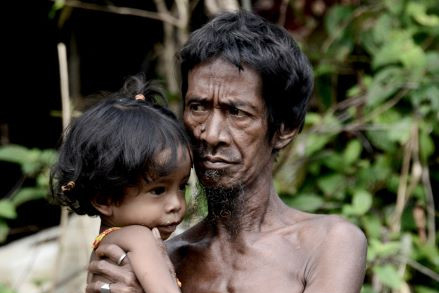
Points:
[[112, 272], [112, 252], [95, 287]]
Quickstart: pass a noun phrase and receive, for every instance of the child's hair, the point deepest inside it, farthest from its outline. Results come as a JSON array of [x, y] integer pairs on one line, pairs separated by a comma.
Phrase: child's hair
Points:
[[116, 144]]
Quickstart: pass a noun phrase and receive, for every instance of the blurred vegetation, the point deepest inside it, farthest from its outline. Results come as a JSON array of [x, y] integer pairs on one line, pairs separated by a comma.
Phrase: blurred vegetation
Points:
[[35, 167], [368, 150]]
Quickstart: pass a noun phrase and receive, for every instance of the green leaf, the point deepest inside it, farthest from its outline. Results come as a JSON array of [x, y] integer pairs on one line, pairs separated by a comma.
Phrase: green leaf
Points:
[[400, 131], [400, 47], [307, 202], [4, 230], [426, 145], [380, 140], [28, 193], [312, 118], [432, 62], [330, 184], [336, 17], [334, 161], [423, 289], [418, 11], [389, 276], [394, 6], [315, 143], [14, 154], [372, 225], [7, 209], [382, 250], [352, 152], [385, 83], [382, 28], [361, 203]]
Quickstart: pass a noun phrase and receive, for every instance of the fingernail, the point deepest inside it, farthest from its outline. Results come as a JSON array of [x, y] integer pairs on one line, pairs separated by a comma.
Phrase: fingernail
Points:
[[156, 233]]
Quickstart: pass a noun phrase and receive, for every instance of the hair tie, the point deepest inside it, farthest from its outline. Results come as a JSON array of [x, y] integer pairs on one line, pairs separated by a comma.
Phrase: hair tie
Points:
[[69, 186], [139, 97]]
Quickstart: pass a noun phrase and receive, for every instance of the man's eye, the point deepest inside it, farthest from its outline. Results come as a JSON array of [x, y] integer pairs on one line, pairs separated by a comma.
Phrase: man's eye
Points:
[[158, 190], [196, 107], [236, 112]]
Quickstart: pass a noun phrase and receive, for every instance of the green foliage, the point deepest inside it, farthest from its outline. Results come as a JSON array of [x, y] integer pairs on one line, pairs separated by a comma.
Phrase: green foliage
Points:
[[369, 138], [35, 166], [5, 289]]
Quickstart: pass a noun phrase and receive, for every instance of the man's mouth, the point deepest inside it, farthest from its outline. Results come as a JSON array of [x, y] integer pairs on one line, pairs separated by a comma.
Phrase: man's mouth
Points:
[[214, 162]]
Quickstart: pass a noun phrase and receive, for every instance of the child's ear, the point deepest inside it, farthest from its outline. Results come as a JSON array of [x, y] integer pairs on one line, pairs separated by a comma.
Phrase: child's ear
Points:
[[283, 137], [105, 209]]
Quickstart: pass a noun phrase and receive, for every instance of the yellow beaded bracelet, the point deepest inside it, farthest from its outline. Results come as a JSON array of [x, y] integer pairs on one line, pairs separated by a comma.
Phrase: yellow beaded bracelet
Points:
[[102, 235]]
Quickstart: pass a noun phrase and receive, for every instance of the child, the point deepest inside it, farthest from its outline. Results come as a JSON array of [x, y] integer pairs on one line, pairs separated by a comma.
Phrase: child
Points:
[[128, 161]]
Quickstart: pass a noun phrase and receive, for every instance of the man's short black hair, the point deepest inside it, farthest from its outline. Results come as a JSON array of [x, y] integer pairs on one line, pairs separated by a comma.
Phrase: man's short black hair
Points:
[[243, 38]]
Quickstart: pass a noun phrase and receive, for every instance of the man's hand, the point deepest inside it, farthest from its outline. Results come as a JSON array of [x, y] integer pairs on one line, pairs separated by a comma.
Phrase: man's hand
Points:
[[121, 278]]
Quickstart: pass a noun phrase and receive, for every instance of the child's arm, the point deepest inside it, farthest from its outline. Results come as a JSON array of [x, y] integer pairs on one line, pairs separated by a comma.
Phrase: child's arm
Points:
[[149, 264]]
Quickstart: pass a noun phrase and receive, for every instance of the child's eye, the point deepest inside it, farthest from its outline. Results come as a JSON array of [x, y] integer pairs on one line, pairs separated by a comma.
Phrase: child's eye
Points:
[[158, 190]]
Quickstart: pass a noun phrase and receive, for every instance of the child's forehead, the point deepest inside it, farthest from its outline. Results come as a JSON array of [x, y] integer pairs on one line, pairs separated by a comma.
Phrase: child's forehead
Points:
[[167, 160], [163, 156]]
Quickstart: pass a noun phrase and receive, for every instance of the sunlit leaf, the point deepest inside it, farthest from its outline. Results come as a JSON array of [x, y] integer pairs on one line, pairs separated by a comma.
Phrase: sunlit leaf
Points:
[[400, 48], [372, 225], [330, 184], [352, 152], [394, 6], [426, 145], [7, 209], [418, 11], [385, 83], [361, 203], [14, 154], [27, 194], [305, 202], [389, 276]]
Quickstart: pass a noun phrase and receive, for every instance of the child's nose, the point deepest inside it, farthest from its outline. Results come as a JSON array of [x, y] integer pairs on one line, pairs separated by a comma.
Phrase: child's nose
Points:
[[175, 203]]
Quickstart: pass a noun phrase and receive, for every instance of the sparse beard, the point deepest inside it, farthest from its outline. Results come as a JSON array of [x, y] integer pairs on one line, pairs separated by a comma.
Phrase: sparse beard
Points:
[[225, 205]]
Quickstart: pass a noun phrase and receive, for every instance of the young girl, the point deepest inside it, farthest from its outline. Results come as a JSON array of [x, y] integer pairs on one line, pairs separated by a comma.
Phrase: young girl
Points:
[[128, 161]]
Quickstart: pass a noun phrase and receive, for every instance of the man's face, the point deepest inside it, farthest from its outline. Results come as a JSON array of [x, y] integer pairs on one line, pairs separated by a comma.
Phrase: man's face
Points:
[[226, 117]]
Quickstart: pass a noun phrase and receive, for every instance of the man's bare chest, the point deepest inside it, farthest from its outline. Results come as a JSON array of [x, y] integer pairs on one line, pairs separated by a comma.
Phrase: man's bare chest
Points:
[[257, 269]]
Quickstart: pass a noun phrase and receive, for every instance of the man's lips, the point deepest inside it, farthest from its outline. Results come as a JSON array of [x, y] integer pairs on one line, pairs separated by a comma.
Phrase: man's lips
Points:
[[215, 162]]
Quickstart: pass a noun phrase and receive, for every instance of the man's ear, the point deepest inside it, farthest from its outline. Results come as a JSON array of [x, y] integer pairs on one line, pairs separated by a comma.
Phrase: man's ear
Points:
[[105, 209], [283, 137]]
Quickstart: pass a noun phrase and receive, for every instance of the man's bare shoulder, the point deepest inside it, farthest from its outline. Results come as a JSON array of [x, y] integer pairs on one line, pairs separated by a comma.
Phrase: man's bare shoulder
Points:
[[315, 229], [191, 237]]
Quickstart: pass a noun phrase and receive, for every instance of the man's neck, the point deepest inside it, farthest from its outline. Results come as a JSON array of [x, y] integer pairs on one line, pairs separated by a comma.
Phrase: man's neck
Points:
[[243, 209]]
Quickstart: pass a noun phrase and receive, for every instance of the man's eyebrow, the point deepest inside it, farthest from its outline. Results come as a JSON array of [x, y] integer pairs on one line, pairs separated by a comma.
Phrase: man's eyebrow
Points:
[[239, 104], [195, 98]]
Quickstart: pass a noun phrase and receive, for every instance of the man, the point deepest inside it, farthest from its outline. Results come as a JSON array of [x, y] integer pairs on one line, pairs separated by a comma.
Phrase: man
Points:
[[245, 85]]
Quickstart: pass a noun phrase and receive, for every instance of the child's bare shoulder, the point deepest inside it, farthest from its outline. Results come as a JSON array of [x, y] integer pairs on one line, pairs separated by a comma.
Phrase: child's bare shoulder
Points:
[[129, 236]]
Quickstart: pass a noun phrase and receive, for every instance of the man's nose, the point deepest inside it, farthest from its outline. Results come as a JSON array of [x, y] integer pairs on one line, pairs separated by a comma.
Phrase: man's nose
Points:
[[214, 129]]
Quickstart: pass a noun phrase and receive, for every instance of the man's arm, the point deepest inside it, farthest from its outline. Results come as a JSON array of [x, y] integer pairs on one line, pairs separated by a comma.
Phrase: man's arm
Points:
[[147, 259], [339, 262]]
